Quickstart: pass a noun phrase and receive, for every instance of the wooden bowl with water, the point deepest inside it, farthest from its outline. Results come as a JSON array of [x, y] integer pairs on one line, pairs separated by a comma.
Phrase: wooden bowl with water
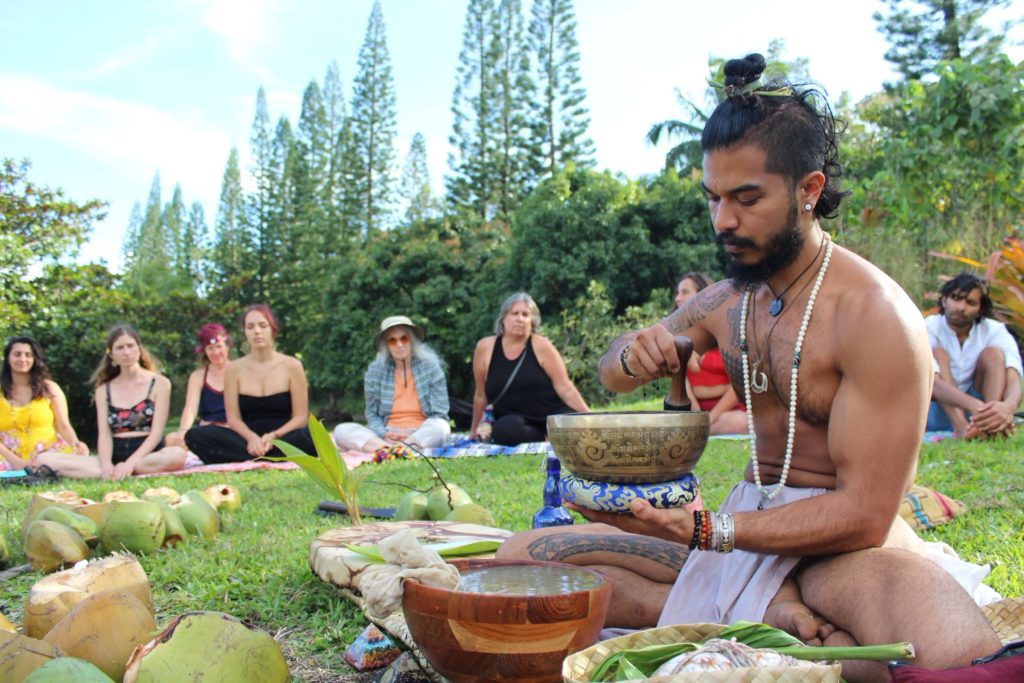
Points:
[[512, 620]]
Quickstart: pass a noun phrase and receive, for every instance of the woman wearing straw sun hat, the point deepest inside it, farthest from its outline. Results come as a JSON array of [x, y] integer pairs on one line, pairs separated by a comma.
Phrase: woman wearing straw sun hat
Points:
[[406, 395]]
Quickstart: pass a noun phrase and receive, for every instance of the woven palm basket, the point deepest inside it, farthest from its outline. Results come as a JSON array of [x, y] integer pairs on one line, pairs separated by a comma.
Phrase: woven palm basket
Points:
[[578, 667], [1006, 617]]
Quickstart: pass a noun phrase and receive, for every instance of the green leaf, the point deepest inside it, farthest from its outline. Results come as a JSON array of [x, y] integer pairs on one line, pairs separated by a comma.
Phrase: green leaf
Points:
[[326, 449]]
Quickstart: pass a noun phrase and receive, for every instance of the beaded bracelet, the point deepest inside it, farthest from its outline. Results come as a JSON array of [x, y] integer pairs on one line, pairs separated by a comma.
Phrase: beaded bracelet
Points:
[[622, 361], [705, 531], [696, 530]]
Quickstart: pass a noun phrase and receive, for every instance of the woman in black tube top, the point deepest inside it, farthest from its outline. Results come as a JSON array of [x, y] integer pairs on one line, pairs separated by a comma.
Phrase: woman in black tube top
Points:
[[524, 393], [265, 398]]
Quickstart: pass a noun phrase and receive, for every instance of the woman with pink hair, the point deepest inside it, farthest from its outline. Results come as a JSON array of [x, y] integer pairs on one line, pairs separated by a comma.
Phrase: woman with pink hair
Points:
[[204, 394], [266, 397]]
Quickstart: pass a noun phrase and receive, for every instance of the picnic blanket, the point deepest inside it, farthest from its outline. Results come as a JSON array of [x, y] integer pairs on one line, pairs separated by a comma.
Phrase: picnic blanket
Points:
[[193, 465]]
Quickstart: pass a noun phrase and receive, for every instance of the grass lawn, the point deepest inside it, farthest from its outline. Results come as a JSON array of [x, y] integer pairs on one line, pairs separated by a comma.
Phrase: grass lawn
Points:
[[257, 568]]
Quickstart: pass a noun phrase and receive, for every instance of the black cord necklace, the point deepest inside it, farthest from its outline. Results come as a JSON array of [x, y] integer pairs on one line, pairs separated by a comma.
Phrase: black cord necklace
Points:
[[777, 303]]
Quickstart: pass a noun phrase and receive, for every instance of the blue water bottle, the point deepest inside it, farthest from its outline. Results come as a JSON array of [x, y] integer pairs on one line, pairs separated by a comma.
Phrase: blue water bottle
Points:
[[552, 513]]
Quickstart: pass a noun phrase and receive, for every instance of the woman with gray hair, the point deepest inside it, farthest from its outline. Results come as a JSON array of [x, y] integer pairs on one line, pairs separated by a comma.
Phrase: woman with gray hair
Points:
[[406, 396], [522, 375]]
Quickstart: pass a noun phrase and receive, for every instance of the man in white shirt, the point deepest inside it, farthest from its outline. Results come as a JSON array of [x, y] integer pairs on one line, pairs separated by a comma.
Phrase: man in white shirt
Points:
[[978, 388]]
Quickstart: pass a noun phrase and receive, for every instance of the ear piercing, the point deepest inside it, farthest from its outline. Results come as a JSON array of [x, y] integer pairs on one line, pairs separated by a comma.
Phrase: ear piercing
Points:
[[808, 206]]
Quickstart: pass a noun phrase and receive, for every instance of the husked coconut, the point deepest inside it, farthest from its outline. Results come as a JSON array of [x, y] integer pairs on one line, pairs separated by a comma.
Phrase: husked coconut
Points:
[[208, 646], [21, 655], [199, 518], [135, 526], [104, 629], [50, 546], [224, 496], [67, 496], [111, 496], [53, 596], [161, 493], [6, 625], [66, 669]]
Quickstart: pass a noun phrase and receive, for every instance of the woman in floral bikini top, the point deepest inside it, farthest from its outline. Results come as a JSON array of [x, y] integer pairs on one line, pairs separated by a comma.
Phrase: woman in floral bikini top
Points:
[[130, 438]]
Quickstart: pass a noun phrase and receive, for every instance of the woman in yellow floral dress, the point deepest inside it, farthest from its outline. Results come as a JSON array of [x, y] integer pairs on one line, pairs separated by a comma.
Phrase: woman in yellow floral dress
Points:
[[33, 409]]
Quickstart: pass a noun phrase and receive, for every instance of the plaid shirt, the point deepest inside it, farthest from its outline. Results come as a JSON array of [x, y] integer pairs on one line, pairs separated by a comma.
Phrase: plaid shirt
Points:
[[379, 391]]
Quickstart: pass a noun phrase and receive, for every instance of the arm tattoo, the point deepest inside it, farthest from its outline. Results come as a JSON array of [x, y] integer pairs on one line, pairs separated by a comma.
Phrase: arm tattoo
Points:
[[561, 547], [699, 307]]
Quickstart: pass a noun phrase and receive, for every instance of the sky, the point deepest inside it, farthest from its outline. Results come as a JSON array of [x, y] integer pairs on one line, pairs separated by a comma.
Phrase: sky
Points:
[[100, 95]]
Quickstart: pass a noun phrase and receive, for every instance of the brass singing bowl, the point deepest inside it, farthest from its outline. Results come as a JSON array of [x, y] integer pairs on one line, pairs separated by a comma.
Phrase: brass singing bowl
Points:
[[642, 447]]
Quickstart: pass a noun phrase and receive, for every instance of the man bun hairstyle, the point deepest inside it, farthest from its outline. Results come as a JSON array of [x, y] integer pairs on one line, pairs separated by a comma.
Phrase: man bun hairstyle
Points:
[[796, 132]]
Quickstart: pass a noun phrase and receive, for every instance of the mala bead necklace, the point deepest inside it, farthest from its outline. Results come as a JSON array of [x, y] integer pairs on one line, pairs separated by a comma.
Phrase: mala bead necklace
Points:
[[791, 432]]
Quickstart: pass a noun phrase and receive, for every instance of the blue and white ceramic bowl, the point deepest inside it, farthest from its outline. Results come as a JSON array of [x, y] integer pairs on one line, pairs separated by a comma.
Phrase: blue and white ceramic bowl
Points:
[[616, 496]]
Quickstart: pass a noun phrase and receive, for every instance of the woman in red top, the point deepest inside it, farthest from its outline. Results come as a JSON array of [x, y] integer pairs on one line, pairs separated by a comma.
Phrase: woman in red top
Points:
[[707, 384]]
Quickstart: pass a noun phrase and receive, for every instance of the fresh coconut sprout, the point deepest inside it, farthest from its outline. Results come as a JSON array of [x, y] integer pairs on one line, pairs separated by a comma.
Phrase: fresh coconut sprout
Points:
[[327, 468], [643, 662], [446, 551]]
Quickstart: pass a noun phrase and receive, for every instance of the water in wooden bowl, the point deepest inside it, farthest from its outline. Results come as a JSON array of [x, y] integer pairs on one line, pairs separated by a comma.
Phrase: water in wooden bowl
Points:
[[508, 621], [642, 447]]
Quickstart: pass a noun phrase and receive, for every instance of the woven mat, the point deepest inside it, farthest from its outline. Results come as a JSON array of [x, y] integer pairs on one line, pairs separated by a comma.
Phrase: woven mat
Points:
[[1007, 618], [334, 563]]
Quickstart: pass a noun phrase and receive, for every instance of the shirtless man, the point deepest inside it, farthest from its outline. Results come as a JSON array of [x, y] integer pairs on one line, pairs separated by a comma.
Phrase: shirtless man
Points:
[[864, 378]]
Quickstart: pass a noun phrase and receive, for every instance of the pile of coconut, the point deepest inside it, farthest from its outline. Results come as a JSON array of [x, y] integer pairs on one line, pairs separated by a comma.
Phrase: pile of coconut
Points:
[[60, 527], [94, 623]]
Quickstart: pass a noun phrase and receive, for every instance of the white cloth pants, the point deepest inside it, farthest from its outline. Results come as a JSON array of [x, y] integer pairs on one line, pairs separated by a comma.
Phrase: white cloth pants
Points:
[[433, 432]]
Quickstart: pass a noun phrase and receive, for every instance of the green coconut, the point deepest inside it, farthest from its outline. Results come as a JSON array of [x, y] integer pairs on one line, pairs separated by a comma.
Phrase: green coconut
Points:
[[83, 526], [208, 646], [202, 495], [471, 513], [135, 526], [36, 504], [64, 669], [198, 518], [226, 498], [51, 545], [441, 500], [413, 505], [174, 529]]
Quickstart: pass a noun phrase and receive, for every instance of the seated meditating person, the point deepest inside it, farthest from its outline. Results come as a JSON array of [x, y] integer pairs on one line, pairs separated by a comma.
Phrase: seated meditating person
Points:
[[977, 390], [132, 403], [406, 396], [707, 385], [522, 375], [204, 394], [33, 409], [266, 397], [810, 538]]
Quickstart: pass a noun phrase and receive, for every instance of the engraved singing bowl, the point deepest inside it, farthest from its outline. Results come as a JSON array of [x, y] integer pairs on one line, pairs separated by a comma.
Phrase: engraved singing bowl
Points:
[[631, 447], [468, 636]]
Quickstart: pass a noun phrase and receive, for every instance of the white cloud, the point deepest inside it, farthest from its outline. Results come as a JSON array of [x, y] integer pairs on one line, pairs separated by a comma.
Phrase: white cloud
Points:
[[109, 128], [131, 55], [243, 24]]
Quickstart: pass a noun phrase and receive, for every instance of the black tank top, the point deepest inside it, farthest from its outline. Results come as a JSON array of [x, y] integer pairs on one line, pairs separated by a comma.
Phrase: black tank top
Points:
[[211, 402], [264, 414], [531, 393]]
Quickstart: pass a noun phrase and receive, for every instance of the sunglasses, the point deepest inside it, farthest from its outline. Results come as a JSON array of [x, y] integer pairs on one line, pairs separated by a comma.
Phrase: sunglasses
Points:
[[395, 341]]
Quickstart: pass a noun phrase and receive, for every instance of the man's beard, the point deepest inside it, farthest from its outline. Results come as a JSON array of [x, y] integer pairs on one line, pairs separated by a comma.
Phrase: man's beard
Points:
[[780, 251]]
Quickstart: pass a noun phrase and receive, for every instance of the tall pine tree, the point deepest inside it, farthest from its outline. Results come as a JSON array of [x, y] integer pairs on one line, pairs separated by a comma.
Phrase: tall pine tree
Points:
[[336, 178], [472, 182], [231, 249], [373, 127], [194, 248], [924, 32], [259, 202], [514, 90], [414, 187], [560, 118]]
